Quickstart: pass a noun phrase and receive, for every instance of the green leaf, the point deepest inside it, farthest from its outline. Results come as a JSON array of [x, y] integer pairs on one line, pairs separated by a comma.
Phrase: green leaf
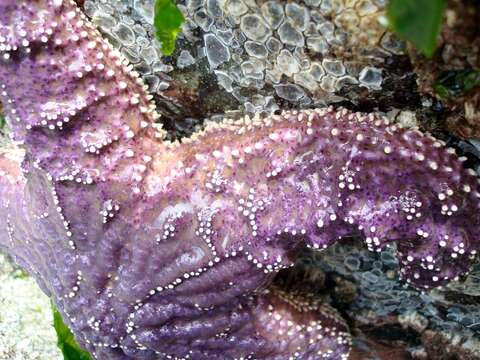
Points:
[[454, 82], [66, 342], [418, 21], [2, 122], [167, 22], [20, 274]]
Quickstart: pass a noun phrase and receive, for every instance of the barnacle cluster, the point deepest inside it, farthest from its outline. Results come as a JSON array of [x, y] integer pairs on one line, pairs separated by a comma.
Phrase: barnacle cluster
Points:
[[264, 55]]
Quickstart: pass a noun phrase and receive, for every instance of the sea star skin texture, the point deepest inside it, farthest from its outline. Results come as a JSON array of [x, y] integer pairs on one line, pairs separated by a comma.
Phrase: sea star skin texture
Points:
[[154, 250]]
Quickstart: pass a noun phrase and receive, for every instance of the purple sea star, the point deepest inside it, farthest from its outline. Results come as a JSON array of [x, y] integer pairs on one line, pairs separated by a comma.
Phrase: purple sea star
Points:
[[157, 250]]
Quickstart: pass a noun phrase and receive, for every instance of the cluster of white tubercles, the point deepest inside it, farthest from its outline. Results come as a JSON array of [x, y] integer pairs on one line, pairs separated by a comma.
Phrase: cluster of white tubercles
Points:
[[56, 119], [10, 231], [205, 229], [86, 179], [35, 30], [249, 207], [346, 179], [56, 202], [168, 231], [372, 241], [94, 148], [459, 250], [6, 48], [109, 209], [410, 205], [274, 172], [292, 232], [223, 334], [447, 209], [277, 169], [43, 215], [94, 323], [312, 332], [275, 266], [320, 223], [428, 263], [216, 182], [75, 287]]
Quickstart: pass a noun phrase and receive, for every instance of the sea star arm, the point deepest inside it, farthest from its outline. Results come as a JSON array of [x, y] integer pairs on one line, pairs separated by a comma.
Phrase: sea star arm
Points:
[[13, 204], [78, 108], [158, 250], [85, 123]]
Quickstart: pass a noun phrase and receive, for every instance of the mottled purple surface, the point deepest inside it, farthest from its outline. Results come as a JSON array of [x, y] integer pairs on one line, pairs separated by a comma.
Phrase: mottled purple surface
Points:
[[154, 250]]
